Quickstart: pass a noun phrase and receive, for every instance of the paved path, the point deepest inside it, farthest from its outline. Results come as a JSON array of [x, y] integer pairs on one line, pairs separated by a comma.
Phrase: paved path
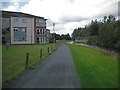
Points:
[[58, 71]]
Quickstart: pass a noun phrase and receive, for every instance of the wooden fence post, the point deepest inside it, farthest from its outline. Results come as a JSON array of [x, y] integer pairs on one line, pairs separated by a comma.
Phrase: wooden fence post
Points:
[[27, 58], [40, 54]]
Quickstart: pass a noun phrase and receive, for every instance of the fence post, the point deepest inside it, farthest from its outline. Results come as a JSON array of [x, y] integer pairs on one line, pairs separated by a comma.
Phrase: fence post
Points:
[[27, 58], [40, 54]]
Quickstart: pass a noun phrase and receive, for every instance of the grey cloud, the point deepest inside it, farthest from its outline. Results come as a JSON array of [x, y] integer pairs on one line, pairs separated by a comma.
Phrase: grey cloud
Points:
[[67, 19], [119, 9], [22, 4], [50, 22], [7, 3], [110, 9], [58, 26]]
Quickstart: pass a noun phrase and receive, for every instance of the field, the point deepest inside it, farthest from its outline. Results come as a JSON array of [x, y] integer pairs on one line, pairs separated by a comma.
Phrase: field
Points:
[[14, 57], [95, 67]]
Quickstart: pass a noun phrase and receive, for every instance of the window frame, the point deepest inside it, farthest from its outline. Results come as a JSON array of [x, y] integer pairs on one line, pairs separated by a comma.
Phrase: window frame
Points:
[[16, 29]]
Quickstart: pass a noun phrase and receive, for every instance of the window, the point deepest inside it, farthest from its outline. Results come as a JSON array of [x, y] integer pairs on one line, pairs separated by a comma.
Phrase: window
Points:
[[15, 20], [24, 20], [37, 22], [43, 31], [41, 39], [44, 23], [20, 34], [37, 31], [40, 22], [40, 31], [38, 41]]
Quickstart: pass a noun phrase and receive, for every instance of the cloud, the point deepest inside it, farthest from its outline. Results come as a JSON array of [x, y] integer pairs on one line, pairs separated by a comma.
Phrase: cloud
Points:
[[110, 8], [5, 4], [119, 10], [13, 5], [71, 1], [67, 14], [69, 18]]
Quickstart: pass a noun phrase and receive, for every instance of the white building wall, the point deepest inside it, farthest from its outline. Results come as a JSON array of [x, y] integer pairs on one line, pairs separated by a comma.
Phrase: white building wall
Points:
[[23, 22]]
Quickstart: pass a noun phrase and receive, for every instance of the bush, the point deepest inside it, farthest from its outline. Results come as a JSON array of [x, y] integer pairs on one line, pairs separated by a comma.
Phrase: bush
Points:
[[92, 40], [117, 46]]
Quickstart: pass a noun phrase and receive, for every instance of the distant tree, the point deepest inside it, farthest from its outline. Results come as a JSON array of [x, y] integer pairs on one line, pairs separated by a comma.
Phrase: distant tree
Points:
[[105, 32], [58, 37], [94, 28], [65, 37], [104, 19], [111, 18]]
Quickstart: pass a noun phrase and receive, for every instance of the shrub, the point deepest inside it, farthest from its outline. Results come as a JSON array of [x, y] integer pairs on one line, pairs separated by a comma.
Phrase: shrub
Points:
[[92, 40]]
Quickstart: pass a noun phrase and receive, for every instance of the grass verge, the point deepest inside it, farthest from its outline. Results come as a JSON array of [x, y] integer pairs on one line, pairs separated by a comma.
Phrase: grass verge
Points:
[[14, 57], [95, 68]]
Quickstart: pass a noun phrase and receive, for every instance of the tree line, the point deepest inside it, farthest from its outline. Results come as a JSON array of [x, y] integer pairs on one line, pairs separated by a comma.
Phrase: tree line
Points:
[[63, 37], [59, 37], [103, 33]]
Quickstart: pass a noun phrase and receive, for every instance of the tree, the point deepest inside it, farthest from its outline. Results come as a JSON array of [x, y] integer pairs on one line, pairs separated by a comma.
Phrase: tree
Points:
[[105, 33], [111, 18], [66, 37], [94, 28], [104, 19], [58, 37]]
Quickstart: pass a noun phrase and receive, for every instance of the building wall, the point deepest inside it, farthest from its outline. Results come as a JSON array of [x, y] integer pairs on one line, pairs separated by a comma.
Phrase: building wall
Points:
[[40, 30], [24, 24]]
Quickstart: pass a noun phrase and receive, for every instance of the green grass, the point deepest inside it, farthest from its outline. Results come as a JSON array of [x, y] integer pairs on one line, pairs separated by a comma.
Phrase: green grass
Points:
[[13, 58], [81, 42], [96, 68]]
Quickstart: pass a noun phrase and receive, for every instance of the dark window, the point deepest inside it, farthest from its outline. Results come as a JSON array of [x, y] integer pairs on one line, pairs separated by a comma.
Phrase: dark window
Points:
[[20, 34], [37, 31], [38, 40], [40, 31]]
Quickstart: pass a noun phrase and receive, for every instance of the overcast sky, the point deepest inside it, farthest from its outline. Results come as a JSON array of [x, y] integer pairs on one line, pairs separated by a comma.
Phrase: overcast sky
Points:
[[67, 14]]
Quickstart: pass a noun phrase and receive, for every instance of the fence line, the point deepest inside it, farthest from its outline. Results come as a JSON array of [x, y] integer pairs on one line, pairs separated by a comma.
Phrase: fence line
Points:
[[50, 49]]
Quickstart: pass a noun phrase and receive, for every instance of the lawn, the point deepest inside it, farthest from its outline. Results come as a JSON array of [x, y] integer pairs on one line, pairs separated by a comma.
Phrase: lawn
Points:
[[14, 57], [95, 67]]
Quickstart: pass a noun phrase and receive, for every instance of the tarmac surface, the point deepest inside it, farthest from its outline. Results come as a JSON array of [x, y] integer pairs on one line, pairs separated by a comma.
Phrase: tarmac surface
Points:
[[57, 71]]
